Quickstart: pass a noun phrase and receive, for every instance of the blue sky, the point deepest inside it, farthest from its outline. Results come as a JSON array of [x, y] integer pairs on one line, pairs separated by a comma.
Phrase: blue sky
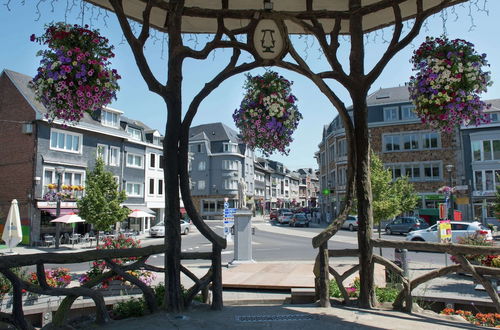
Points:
[[18, 54]]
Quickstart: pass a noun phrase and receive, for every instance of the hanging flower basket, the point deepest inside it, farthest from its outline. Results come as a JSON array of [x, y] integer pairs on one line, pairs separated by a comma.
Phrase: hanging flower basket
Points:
[[268, 115], [74, 76], [448, 82]]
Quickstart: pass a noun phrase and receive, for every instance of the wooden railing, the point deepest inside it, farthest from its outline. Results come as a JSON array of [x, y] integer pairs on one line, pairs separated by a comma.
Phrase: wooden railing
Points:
[[19, 285], [404, 298]]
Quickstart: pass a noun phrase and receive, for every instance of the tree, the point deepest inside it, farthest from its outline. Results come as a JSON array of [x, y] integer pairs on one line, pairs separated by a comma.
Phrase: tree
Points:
[[385, 193], [390, 197], [101, 204]]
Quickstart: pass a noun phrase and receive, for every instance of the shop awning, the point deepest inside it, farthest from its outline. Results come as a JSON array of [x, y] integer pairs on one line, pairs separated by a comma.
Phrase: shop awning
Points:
[[63, 211]]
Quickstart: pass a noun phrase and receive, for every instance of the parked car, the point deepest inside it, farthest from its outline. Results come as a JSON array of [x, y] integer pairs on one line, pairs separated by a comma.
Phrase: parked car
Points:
[[158, 230], [299, 219], [405, 225], [458, 229], [285, 217], [273, 215], [351, 223]]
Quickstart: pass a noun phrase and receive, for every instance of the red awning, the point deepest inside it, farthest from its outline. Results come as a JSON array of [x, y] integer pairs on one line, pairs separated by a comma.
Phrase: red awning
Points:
[[63, 211]]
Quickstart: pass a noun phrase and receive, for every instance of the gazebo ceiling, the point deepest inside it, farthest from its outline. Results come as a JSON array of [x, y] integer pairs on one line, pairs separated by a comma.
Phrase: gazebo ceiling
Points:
[[200, 15]]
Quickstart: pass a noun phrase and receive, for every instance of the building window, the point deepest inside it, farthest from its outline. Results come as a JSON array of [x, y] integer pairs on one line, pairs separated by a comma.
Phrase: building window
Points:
[[156, 140], [486, 180], [201, 184], [134, 160], [432, 171], [430, 140], [201, 165], [391, 143], [209, 206], [102, 152], [110, 119], [160, 187], [410, 141], [114, 156], [135, 133], [485, 150], [230, 184], [152, 160], [342, 148], [65, 141], [69, 178], [134, 189], [230, 165], [391, 114], [408, 112], [161, 161], [230, 147], [151, 186], [199, 147]]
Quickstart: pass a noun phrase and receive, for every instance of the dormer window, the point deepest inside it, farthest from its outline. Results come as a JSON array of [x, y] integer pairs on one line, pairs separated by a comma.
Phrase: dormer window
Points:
[[110, 119], [156, 140], [135, 133], [230, 147]]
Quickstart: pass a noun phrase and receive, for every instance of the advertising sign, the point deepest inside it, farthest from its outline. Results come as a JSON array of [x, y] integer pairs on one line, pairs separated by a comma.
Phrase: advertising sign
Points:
[[444, 231]]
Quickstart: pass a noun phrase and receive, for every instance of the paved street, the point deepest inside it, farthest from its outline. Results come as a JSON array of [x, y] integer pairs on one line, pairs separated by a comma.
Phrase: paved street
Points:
[[274, 242]]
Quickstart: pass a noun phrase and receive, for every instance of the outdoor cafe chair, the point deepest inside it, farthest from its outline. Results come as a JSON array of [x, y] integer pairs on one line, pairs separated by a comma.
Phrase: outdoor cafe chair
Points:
[[48, 240], [74, 239], [66, 238]]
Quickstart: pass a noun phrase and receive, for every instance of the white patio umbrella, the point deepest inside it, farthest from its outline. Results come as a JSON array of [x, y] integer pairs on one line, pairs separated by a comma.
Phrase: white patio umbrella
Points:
[[12, 232], [140, 214], [69, 218]]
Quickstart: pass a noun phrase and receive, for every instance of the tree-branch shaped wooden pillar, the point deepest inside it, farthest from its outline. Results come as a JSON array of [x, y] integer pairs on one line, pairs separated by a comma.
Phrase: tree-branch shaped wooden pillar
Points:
[[326, 24]]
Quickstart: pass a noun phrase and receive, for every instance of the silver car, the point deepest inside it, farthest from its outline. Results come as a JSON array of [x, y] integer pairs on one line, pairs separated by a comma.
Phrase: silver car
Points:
[[158, 230]]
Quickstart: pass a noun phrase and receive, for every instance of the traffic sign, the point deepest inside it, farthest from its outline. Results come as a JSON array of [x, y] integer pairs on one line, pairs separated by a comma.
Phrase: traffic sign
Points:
[[226, 205]]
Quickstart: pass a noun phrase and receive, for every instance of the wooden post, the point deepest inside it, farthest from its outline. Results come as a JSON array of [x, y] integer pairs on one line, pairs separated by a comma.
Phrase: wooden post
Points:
[[217, 302], [324, 281]]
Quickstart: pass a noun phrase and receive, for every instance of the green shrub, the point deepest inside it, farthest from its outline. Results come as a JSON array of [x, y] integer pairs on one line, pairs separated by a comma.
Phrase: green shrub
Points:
[[134, 307], [386, 294]]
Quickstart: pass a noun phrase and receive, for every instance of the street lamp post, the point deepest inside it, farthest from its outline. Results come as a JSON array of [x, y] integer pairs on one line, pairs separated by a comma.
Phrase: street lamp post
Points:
[[59, 173], [449, 168]]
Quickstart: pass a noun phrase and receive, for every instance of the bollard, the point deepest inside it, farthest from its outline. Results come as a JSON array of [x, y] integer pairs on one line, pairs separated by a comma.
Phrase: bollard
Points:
[[401, 256]]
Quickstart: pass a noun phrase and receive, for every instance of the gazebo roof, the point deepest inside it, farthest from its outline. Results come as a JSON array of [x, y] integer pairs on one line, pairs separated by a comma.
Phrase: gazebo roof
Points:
[[200, 15]]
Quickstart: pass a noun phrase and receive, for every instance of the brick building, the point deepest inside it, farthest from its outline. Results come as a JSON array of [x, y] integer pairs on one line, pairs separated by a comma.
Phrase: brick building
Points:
[[404, 145]]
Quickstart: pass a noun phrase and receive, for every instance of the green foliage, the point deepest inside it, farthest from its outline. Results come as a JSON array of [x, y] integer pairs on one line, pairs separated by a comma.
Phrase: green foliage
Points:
[[390, 198], [386, 294], [101, 204], [134, 307]]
